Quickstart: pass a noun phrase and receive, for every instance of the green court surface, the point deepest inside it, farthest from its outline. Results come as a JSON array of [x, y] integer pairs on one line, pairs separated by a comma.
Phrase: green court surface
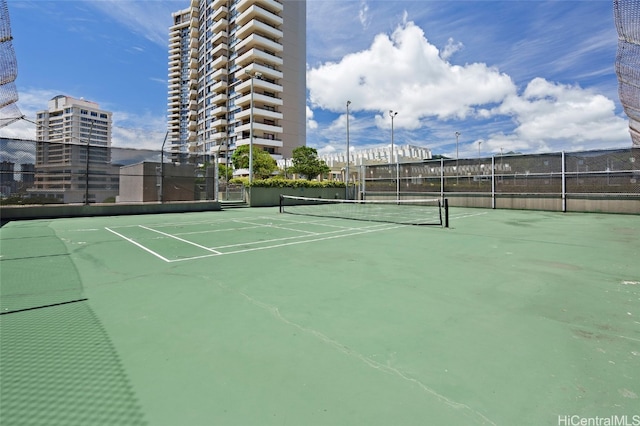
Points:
[[252, 317]]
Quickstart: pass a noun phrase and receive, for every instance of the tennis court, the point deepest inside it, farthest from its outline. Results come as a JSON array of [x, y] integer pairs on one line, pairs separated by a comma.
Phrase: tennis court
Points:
[[254, 317]]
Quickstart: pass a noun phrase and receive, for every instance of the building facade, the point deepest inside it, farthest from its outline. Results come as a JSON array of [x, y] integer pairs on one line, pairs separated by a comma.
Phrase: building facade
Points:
[[337, 161], [73, 152], [378, 155], [237, 75]]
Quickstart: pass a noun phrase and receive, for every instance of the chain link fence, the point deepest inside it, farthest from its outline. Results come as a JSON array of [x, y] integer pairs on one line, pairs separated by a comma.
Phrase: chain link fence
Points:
[[53, 173], [599, 175]]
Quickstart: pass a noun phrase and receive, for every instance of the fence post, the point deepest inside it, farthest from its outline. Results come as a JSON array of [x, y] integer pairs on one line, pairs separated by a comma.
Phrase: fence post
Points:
[[493, 182], [216, 182], [564, 184], [442, 179], [363, 179]]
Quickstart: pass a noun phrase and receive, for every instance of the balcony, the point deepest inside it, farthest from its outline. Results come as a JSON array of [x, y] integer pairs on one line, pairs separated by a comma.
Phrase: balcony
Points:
[[256, 40], [220, 98], [220, 25], [219, 62], [218, 123], [218, 135], [256, 12], [255, 26], [258, 84], [260, 142], [273, 5], [218, 111], [219, 73], [267, 72], [258, 114], [219, 86], [218, 36], [257, 55], [220, 12], [258, 98], [258, 127], [220, 49]]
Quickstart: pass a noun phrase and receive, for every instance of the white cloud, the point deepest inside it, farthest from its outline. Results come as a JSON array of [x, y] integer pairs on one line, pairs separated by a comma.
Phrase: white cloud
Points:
[[548, 113], [149, 18], [326, 150], [451, 48], [363, 14], [311, 123], [406, 73]]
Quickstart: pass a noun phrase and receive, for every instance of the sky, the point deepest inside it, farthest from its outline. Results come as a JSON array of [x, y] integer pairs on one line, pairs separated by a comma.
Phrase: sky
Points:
[[522, 76]]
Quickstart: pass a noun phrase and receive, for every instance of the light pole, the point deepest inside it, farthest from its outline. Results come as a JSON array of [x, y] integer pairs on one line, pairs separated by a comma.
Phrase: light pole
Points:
[[393, 114], [347, 168], [457, 136], [479, 145], [252, 75]]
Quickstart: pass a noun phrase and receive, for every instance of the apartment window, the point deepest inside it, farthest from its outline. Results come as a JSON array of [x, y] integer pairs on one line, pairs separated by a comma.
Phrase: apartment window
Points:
[[84, 112]]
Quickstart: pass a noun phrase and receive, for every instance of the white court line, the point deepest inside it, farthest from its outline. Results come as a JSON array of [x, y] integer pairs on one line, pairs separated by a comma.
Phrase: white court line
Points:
[[288, 244], [466, 215], [209, 231], [351, 231], [300, 236], [180, 239], [138, 244], [270, 225]]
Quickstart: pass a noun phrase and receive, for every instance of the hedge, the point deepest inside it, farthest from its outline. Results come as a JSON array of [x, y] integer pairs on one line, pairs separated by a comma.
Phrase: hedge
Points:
[[288, 183]]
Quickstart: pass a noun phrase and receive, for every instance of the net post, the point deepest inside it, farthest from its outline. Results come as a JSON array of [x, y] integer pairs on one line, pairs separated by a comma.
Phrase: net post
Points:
[[446, 212], [281, 202]]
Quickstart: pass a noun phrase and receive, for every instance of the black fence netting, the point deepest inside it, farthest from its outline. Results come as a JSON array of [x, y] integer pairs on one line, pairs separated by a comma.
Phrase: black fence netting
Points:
[[603, 172], [60, 173]]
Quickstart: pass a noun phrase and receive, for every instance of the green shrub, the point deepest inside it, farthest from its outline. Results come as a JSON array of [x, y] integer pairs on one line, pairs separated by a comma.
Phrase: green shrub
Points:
[[280, 182]]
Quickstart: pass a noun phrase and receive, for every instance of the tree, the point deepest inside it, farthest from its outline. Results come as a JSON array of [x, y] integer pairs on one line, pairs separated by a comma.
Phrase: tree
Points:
[[306, 162], [263, 164], [225, 173]]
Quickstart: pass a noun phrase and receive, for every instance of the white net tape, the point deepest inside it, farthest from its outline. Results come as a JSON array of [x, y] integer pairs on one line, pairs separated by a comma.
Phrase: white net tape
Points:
[[627, 19]]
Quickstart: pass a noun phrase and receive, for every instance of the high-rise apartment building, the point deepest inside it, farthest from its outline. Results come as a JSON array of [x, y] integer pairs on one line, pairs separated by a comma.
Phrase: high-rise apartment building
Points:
[[236, 74], [73, 153]]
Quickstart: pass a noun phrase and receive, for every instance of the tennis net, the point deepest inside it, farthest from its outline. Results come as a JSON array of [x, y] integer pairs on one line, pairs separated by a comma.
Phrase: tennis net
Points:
[[406, 212]]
